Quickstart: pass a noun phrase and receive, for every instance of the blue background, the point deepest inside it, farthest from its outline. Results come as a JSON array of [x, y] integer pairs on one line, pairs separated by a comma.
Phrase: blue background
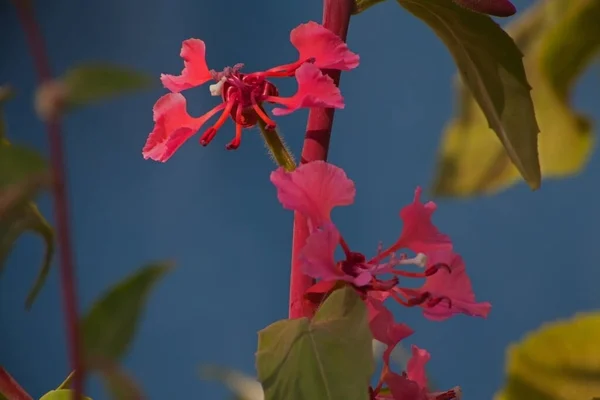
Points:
[[532, 255]]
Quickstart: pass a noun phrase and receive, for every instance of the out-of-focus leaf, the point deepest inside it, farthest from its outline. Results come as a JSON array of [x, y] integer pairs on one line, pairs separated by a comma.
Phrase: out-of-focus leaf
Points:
[[61, 394], [116, 381], [328, 357], [22, 174], [570, 46], [560, 361], [491, 66], [10, 389], [18, 164], [111, 323], [470, 162], [89, 83], [244, 387]]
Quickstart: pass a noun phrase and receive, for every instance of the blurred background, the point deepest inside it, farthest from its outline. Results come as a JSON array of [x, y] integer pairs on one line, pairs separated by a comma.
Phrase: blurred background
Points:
[[215, 213]]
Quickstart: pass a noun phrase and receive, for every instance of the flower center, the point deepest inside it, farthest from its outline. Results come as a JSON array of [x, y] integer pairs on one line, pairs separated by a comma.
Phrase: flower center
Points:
[[247, 92]]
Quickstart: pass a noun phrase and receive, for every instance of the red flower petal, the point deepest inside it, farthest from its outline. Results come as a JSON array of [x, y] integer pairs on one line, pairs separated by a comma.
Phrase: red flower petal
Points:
[[403, 388], [419, 234], [195, 73], [314, 189], [314, 40], [415, 369], [314, 90], [172, 127], [383, 327]]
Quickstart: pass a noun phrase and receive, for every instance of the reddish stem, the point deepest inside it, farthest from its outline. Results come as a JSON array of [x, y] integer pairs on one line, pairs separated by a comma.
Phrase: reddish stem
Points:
[[10, 388], [336, 17], [61, 208]]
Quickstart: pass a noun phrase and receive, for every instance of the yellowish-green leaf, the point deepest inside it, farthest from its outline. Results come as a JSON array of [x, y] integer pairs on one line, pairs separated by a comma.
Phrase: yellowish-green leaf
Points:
[[471, 163], [560, 361], [61, 394], [491, 66], [23, 173], [89, 83], [244, 387], [329, 357]]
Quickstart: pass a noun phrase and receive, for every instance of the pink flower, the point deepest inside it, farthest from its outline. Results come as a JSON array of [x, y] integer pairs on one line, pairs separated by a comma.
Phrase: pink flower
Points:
[[314, 189], [449, 290], [497, 8], [243, 94], [412, 385], [383, 327]]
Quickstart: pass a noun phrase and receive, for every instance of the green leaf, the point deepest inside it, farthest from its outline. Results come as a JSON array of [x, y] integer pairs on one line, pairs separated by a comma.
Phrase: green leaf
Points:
[[560, 361], [491, 66], [22, 174], [18, 164], [88, 83], [330, 357], [244, 387], [110, 325], [61, 394], [471, 163]]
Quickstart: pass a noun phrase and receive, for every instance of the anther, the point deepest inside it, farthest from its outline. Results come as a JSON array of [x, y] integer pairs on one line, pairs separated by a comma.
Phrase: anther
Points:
[[416, 301], [443, 265], [211, 132], [432, 302], [235, 143]]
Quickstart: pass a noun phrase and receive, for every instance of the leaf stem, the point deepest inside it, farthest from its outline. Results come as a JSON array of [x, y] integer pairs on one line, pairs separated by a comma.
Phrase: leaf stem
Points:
[[336, 18], [61, 210], [277, 147]]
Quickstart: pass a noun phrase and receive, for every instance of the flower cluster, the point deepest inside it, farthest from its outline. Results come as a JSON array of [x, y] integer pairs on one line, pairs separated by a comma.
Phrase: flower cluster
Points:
[[243, 94], [314, 189]]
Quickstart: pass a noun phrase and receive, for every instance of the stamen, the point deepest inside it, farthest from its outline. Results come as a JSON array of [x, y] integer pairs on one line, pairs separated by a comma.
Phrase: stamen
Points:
[[383, 286], [262, 115], [410, 274], [287, 69], [452, 394], [417, 301], [384, 254], [345, 247], [399, 299], [237, 140], [211, 132], [442, 265], [235, 143], [432, 302]]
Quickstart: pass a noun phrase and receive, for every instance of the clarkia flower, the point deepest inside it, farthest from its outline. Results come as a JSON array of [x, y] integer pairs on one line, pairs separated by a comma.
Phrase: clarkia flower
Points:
[[243, 94], [313, 190]]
